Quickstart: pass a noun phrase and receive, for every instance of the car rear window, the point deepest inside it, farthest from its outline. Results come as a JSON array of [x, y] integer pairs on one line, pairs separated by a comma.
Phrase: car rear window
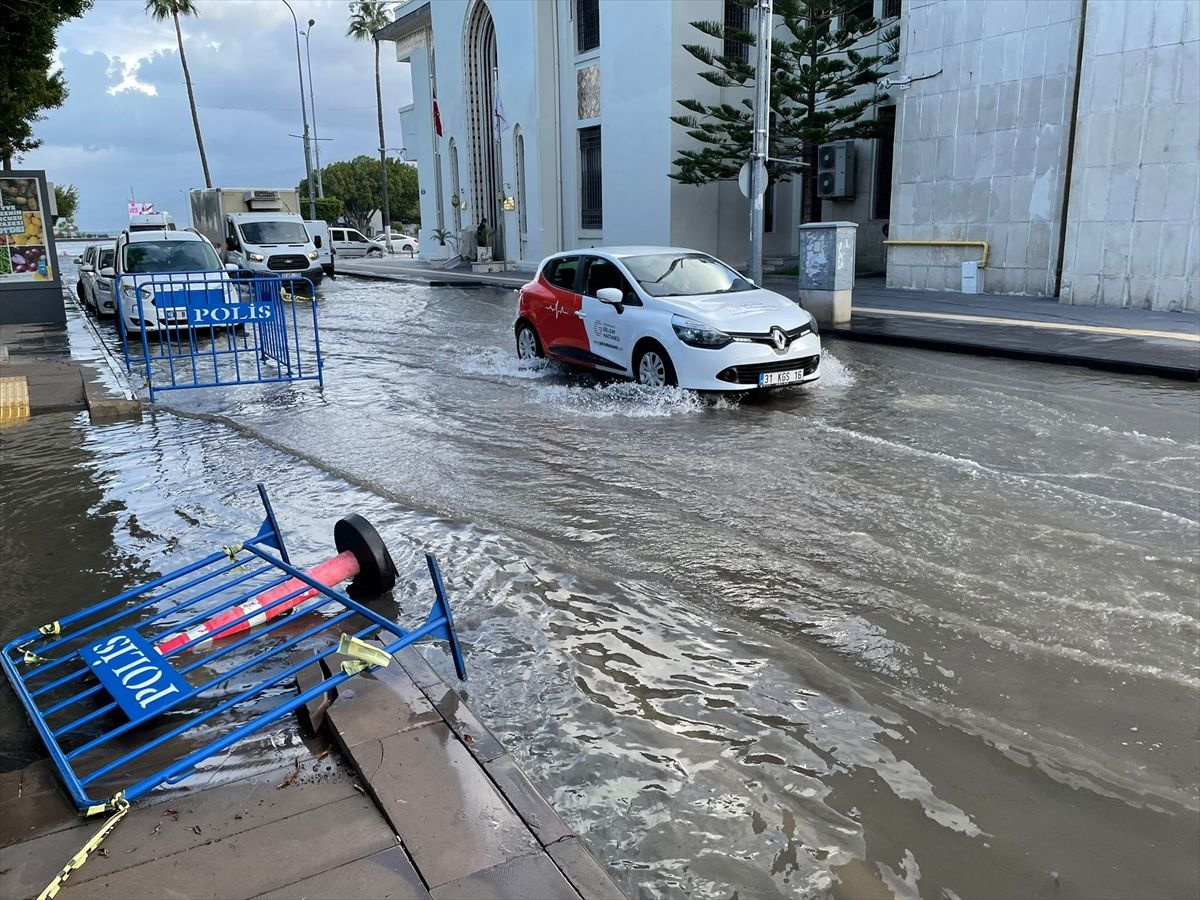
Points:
[[561, 272]]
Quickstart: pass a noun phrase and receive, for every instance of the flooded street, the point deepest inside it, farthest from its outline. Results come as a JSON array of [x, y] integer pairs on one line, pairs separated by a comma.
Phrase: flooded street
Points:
[[929, 627]]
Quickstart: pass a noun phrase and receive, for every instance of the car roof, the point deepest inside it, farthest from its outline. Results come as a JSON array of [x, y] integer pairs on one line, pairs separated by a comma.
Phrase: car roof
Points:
[[138, 237], [622, 252]]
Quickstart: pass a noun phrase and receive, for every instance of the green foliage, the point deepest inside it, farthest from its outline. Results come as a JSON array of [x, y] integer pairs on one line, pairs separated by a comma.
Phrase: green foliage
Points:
[[26, 88], [441, 235], [66, 198], [825, 68], [357, 186], [329, 209], [161, 10], [367, 17]]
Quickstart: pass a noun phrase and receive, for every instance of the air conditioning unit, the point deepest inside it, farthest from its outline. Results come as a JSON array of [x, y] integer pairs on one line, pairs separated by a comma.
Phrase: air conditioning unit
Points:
[[835, 170]]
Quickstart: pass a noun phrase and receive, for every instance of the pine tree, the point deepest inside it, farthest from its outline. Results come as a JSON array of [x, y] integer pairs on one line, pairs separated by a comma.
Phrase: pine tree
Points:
[[826, 64]]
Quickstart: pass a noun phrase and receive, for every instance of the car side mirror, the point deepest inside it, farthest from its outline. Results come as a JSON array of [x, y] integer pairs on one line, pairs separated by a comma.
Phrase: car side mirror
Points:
[[87, 267], [317, 242], [108, 272], [232, 267], [610, 295], [78, 260]]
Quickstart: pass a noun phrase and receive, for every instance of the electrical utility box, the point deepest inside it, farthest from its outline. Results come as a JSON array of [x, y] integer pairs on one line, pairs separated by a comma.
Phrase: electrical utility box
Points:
[[836, 170]]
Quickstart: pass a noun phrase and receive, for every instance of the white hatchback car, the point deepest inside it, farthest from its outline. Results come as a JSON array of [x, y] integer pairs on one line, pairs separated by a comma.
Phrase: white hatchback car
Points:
[[665, 316]]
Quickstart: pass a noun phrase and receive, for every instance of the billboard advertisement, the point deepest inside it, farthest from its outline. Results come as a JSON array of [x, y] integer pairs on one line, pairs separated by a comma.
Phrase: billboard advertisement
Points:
[[24, 222]]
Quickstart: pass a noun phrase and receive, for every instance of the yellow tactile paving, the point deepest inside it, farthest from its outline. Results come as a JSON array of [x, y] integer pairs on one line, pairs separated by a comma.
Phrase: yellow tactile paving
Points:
[[14, 398], [1027, 323]]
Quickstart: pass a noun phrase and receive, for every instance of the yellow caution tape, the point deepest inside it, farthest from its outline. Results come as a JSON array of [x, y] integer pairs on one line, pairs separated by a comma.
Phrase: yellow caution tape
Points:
[[354, 666], [368, 653], [30, 658], [121, 805], [52, 629]]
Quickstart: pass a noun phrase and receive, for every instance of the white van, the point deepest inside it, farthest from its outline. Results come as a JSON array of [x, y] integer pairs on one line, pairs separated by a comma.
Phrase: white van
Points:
[[318, 231], [159, 221], [350, 243]]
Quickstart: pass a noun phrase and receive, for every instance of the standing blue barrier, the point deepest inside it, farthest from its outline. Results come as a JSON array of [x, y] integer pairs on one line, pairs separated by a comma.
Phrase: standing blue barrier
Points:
[[210, 329], [120, 717]]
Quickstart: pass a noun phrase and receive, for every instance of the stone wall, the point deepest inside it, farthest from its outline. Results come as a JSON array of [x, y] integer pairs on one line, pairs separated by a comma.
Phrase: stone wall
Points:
[[981, 142], [1133, 214]]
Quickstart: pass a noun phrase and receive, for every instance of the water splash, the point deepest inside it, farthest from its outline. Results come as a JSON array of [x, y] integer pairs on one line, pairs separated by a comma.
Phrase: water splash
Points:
[[629, 400]]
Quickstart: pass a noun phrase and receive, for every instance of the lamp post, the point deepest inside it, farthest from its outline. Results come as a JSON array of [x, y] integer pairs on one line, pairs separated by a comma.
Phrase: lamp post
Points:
[[312, 99], [312, 202]]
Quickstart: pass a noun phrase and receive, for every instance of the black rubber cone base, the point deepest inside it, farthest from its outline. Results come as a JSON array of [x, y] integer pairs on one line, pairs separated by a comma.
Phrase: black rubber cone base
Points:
[[376, 571]]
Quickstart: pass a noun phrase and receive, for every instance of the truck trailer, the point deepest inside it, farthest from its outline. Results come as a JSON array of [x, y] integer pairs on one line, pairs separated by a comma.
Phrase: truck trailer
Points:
[[258, 229]]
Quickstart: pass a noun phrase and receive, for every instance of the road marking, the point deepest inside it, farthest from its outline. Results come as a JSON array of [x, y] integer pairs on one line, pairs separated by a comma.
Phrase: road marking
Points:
[[1055, 326], [14, 398]]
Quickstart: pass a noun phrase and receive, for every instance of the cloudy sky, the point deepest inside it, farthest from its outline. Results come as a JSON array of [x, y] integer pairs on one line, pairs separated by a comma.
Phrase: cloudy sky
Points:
[[126, 122]]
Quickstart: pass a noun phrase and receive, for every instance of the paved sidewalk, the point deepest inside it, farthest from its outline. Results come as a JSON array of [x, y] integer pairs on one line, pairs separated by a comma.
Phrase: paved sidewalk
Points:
[[1135, 341], [405, 269]]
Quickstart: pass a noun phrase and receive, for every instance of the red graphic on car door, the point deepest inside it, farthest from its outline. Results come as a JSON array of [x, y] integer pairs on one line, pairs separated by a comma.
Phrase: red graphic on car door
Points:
[[558, 322]]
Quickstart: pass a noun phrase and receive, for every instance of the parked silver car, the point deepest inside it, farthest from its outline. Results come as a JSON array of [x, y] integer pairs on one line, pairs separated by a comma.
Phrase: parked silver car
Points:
[[94, 289]]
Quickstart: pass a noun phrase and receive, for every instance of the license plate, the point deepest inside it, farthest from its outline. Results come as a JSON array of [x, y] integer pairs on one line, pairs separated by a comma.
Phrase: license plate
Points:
[[767, 379]]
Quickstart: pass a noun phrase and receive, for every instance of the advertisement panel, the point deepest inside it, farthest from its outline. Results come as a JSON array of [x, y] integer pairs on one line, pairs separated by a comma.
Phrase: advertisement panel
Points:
[[24, 248]]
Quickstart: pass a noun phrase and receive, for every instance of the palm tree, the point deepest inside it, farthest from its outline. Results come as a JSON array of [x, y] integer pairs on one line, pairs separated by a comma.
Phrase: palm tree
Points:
[[367, 17], [159, 11]]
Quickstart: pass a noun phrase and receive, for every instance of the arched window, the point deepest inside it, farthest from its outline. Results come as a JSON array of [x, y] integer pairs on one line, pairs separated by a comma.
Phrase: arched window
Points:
[[519, 163], [456, 197]]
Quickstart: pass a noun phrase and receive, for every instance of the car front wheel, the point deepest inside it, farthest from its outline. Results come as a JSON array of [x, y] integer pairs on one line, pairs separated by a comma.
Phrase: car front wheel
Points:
[[375, 254], [653, 367], [528, 344]]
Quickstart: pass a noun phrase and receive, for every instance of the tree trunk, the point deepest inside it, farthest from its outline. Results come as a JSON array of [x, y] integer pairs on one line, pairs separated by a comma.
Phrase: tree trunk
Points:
[[7, 160], [387, 212], [187, 79]]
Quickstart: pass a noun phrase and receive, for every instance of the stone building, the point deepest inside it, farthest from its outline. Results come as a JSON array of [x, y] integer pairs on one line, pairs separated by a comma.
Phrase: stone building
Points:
[[553, 124], [1065, 134]]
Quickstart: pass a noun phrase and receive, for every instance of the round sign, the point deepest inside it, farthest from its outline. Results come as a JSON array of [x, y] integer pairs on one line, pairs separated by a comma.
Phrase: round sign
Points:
[[744, 177]]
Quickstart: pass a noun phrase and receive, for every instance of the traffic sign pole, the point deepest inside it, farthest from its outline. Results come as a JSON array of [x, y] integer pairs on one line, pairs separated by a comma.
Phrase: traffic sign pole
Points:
[[757, 175]]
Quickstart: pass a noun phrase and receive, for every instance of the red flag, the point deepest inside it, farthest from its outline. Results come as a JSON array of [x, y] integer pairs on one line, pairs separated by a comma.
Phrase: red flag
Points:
[[437, 119]]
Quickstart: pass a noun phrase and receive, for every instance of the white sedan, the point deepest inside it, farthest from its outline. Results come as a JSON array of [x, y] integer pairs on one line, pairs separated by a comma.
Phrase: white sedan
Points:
[[665, 316]]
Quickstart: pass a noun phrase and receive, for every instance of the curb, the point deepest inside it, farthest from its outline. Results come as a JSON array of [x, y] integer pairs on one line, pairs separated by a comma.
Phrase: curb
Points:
[[1124, 367]]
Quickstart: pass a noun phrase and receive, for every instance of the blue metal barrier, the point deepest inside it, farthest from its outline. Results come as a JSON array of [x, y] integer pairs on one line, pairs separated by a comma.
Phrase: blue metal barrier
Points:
[[184, 330], [109, 740]]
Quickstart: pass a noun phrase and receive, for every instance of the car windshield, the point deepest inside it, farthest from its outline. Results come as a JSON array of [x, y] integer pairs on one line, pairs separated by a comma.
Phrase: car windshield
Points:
[[683, 275], [170, 256], [273, 233]]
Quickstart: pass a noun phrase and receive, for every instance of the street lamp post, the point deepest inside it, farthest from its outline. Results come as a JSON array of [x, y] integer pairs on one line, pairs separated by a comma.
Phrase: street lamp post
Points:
[[312, 201], [760, 144], [312, 99]]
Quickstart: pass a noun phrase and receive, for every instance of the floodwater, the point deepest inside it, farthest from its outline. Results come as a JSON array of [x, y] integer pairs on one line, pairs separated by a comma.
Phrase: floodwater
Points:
[[927, 628]]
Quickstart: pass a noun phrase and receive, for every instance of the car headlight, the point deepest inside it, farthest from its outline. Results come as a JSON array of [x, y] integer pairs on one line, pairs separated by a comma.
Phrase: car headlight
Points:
[[255, 257], [314, 255], [812, 325], [697, 334]]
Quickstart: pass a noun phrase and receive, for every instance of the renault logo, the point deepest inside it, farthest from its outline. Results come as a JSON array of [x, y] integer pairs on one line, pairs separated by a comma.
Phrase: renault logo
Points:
[[779, 338]]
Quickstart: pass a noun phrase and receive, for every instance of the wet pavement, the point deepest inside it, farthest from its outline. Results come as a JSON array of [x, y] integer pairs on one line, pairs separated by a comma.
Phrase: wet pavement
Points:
[[929, 627]]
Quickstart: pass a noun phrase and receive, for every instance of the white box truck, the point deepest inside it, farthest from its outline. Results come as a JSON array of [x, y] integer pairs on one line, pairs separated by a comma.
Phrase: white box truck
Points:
[[259, 230]]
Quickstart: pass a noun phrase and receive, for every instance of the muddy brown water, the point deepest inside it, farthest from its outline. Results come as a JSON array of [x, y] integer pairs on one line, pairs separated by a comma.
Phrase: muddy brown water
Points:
[[929, 628]]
